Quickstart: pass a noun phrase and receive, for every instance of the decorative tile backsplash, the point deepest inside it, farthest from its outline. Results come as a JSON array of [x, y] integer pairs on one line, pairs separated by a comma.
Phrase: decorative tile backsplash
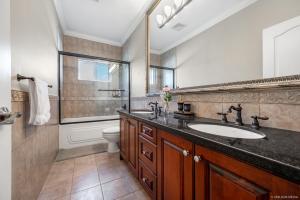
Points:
[[34, 148], [282, 106]]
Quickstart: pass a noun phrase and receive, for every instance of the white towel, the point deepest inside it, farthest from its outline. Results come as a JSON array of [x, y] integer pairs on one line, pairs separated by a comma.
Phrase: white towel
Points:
[[39, 102]]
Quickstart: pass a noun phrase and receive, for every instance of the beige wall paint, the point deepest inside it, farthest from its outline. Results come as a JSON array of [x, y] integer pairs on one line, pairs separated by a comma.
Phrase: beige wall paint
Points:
[[154, 59], [231, 50], [134, 51], [36, 34]]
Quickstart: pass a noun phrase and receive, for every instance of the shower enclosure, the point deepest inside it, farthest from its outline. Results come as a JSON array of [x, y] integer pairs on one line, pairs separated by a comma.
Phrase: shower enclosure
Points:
[[92, 88]]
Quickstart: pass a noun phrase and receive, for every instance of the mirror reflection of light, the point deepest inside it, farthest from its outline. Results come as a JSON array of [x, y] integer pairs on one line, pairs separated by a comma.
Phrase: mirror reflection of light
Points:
[[114, 66], [160, 19], [178, 3], [168, 10]]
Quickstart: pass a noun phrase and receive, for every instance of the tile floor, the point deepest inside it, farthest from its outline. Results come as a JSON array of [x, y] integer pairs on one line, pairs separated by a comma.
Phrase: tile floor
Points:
[[100, 176]]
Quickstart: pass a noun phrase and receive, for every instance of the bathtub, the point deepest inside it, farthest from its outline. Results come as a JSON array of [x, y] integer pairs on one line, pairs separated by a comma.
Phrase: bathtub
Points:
[[86, 133]]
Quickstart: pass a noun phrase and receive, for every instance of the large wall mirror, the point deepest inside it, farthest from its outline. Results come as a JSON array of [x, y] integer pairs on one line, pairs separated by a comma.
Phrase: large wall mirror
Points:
[[209, 42]]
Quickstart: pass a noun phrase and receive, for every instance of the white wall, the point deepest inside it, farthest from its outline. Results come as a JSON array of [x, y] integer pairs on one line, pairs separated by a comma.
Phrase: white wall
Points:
[[35, 33], [231, 50], [134, 51], [5, 100]]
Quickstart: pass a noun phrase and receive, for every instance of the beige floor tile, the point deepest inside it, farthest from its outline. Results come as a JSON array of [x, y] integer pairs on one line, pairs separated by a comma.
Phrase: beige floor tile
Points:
[[115, 189], [142, 195], [133, 182], [106, 157], [112, 171], [79, 179], [85, 170], [53, 178], [62, 166], [85, 182], [55, 191], [85, 160], [138, 195], [94, 193], [68, 197]]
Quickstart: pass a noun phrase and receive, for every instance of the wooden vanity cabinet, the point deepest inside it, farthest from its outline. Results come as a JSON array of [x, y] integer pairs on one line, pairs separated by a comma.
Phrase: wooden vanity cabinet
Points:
[[148, 158], [218, 176], [123, 138], [175, 167], [129, 142], [170, 167]]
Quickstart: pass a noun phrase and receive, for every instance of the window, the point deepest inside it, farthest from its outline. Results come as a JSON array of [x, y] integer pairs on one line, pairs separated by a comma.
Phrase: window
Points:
[[102, 72], [92, 70]]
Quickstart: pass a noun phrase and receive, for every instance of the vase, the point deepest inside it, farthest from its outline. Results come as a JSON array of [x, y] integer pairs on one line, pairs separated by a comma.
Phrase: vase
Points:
[[166, 108]]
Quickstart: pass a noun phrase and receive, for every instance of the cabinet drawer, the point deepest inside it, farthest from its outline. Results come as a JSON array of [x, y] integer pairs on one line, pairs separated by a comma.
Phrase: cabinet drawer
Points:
[[147, 179], [148, 132], [147, 153]]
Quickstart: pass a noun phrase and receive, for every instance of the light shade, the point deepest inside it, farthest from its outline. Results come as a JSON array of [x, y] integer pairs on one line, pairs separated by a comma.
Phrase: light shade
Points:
[[168, 10], [160, 19], [178, 3]]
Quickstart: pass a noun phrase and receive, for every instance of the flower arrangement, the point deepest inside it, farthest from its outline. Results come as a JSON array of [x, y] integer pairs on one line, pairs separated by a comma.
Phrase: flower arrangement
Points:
[[166, 97]]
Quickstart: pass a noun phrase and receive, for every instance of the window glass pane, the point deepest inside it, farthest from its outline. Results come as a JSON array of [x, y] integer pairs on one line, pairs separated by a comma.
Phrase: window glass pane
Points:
[[102, 73], [91, 70]]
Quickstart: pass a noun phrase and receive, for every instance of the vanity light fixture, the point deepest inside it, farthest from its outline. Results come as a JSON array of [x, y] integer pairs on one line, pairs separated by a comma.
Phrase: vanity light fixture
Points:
[[160, 19], [170, 12]]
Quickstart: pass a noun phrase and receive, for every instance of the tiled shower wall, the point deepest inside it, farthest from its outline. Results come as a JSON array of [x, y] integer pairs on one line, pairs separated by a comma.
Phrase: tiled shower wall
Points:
[[34, 148], [82, 98], [282, 106]]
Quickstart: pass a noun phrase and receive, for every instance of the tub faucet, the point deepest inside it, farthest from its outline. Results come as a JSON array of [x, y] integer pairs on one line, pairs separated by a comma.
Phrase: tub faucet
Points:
[[238, 109]]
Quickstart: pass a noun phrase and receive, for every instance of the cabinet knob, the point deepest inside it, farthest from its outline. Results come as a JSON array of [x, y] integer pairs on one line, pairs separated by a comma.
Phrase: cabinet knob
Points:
[[144, 152], [185, 152], [197, 158], [144, 180]]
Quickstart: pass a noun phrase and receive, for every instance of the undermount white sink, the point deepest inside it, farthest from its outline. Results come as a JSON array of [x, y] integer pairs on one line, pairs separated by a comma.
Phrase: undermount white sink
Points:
[[226, 131], [142, 112]]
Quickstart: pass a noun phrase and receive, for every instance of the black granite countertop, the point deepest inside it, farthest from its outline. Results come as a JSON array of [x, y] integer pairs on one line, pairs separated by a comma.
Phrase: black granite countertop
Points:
[[277, 153]]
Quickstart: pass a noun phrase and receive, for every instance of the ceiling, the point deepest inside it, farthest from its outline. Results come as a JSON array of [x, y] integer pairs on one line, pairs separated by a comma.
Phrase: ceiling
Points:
[[108, 21], [196, 17]]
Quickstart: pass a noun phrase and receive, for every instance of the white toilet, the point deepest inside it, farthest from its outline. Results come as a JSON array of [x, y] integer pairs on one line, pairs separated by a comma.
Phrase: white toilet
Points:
[[112, 135]]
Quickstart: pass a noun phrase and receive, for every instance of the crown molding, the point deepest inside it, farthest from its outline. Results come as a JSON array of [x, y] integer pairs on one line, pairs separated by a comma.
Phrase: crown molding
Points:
[[210, 24], [92, 38]]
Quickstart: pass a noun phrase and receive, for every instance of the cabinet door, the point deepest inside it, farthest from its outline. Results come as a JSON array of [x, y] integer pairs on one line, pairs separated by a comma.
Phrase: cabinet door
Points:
[[133, 145], [175, 167], [218, 176], [123, 138], [215, 183], [227, 186], [201, 176]]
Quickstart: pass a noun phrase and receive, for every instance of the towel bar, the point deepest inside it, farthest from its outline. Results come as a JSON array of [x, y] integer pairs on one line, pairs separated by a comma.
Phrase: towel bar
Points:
[[20, 77]]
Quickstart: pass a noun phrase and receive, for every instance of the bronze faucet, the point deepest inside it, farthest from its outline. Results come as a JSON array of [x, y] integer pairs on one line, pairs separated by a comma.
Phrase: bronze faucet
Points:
[[155, 108], [255, 123], [238, 109]]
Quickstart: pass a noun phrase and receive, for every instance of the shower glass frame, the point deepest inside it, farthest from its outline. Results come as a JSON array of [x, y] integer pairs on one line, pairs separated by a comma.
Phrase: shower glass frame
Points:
[[60, 82]]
